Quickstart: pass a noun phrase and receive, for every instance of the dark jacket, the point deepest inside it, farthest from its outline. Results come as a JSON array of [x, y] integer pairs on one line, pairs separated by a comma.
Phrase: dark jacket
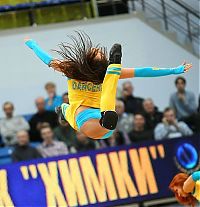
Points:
[[27, 152], [137, 136], [193, 122], [84, 146], [133, 104], [153, 119], [47, 116]]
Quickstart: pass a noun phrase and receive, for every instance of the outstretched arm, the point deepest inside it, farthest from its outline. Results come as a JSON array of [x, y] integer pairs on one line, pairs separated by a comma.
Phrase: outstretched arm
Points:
[[154, 72], [189, 184], [44, 56]]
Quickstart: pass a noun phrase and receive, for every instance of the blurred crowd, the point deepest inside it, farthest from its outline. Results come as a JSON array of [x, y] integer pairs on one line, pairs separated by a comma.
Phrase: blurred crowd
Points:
[[139, 120]]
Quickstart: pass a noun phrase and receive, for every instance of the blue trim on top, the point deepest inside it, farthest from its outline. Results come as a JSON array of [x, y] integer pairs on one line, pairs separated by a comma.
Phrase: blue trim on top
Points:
[[88, 114], [196, 176]]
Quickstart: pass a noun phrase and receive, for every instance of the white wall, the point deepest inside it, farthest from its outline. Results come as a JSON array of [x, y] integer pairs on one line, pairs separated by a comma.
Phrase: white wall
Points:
[[23, 76]]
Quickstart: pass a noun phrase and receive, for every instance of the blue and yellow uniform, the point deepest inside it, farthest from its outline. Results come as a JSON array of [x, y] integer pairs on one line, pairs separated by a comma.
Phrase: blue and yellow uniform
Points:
[[99, 98], [196, 178], [81, 93], [95, 96]]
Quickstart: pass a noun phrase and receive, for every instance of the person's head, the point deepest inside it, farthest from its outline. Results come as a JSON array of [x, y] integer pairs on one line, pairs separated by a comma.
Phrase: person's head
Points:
[[180, 83], [127, 89], [81, 137], [169, 115], [139, 121], [65, 98], [83, 60], [40, 104], [22, 138], [50, 88], [176, 186], [119, 107], [148, 106], [46, 133], [8, 109]]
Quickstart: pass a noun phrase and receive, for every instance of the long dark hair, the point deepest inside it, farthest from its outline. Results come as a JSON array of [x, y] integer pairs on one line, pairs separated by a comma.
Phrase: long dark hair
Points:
[[80, 61]]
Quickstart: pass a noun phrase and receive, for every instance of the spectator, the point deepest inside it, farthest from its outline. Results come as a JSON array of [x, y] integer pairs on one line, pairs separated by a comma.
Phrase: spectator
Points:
[[65, 134], [151, 113], [183, 101], [125, 122], [11, 124], [132, 104], [53, 100], [193, 122], [139, 132], [50, 147], [83, 143], [65, 98], [42, 116], [23, 151], [170, 127], [117, 138]]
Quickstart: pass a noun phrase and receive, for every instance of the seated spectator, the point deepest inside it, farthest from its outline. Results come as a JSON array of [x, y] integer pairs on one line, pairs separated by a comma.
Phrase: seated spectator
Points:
[[65, 98], [125, 121], [50, 147], [53, 100], [117, 138], [42, 116], [83, 143], [151, 113], [183, 101], [139, 132], [193, 122], [66, 134], [11, 124], [132, 104], [170, 127], [23, 151]]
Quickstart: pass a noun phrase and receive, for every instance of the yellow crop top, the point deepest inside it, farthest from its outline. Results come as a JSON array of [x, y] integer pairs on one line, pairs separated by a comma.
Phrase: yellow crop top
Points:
[[197, 191], [82, 93]]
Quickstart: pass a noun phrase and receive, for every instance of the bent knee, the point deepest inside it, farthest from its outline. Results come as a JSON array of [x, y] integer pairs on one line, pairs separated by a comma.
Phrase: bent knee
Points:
[[109, 119]]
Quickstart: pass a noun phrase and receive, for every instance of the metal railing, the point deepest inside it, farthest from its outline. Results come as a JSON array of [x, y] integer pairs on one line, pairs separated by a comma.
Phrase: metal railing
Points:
[[174, 15]]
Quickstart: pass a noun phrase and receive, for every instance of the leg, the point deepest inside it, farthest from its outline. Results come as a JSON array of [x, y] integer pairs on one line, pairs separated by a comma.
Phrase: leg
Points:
[[109, 88]]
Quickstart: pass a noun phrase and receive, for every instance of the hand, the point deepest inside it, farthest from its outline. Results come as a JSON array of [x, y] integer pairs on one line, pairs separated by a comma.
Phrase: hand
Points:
[[164, 120], [187, 66], [174, 122], [30, 42], [27, 39], [181, 96]]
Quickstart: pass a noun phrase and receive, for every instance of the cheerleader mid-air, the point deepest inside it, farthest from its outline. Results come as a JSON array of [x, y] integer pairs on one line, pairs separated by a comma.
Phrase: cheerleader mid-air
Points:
[[92, 82], [186, 188]]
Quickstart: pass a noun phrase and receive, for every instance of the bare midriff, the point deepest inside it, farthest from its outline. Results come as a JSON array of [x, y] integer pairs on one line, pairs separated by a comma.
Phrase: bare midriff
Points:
[[91, 128]]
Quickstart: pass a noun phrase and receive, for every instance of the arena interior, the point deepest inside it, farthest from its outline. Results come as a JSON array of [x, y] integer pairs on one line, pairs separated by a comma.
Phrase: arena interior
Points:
[[43, 163]]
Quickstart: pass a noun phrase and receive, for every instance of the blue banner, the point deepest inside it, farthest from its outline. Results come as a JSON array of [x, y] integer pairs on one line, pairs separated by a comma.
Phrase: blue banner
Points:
[[107, 177]]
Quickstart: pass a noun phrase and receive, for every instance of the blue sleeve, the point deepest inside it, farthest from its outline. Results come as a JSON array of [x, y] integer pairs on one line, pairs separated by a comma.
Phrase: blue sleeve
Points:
[[45, 57], [156, 72], [196, 176]]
